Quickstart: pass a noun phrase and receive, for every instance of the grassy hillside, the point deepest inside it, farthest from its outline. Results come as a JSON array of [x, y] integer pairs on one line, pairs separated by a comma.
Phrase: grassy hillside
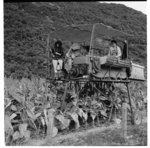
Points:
[[26, 26]]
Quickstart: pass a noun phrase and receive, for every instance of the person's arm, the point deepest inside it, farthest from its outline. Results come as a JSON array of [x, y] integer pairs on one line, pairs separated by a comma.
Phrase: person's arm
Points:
[[58, 53], [67, 54], [62, 52], [53, 52], [119, 52]]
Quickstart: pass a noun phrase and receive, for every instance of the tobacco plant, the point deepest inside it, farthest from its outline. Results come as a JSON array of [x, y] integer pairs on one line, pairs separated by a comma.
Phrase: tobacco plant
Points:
[[27, 103]]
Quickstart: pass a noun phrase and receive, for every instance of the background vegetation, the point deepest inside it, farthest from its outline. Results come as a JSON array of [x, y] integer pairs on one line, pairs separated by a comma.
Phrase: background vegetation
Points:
[[26, 26]]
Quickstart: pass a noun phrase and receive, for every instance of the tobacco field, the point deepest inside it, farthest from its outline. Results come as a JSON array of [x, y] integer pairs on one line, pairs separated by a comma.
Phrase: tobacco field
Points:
[[28, 101]]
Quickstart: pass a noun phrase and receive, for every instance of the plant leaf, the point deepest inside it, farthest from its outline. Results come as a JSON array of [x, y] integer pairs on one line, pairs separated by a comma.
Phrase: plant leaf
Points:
[[7, 123], [133, 102], [65, 122], [93, 102], [10, 132], [39, 97], [37, 115], [29, 105], [13, 116], [139, 104], [30, 114], [18, 97], [128, 106], [145, 98], [121, 87], [7, 102], [61, 118], [119, 105], [47, 106], [65, 125], [27, 134], [85, 116], [117, 120], [75, 102], [25, 118], [38, 102], [118, 100], [32, 109], [103, 112], [45, 114], [49, 97], [80, 112], [55, 131], [14, 121], [42, 120], [23, 129], [33, 124], [93, 115], [13, 107], [102, 98], [75, 118], [16, 135], [99, 105]]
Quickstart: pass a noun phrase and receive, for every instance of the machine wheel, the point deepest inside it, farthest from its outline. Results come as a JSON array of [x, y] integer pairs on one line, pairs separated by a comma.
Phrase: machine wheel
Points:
[[137, 116]]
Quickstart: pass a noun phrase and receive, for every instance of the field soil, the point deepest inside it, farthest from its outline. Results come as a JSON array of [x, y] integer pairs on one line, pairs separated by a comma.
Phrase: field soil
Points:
[[99, 136]]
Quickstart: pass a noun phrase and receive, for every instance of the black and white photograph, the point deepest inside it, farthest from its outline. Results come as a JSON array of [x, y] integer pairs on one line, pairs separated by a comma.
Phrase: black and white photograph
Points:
[[75, 73]]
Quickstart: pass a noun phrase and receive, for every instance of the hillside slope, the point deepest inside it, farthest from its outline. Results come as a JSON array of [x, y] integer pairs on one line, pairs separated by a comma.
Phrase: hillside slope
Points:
[[26, 26]]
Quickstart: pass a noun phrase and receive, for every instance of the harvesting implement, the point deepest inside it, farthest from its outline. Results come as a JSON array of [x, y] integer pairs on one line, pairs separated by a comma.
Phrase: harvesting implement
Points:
[[102, 71]]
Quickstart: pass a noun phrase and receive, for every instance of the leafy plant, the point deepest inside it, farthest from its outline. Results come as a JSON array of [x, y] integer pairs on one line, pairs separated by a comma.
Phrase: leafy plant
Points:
[[28, 102], [22, 100]]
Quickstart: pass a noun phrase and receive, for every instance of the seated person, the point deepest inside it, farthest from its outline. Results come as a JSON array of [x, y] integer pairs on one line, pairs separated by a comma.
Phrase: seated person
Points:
[[114, 50], [57, 53], [74, 51]]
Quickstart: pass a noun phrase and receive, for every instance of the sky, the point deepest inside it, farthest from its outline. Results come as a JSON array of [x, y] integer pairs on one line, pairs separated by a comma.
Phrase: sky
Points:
[[140, 6]]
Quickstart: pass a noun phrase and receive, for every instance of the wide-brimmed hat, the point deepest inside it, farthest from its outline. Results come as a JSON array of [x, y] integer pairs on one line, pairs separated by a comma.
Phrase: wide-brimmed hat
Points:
[[75, 46]]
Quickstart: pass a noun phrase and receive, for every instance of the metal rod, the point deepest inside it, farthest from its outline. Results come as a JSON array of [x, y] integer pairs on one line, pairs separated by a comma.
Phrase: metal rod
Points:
[[47, 69], [107, 71], [124, 120], [91, 50], [118, 74], [92, 36], [129, 96], [64, 97], [87, 80]]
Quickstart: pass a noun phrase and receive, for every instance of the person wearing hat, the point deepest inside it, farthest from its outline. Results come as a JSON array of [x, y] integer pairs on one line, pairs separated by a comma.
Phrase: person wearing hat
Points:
[[74, 51], [114, 50], [57, 53]]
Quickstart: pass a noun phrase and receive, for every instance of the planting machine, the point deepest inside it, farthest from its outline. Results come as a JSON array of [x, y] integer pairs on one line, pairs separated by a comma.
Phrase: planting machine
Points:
[[93, 70]]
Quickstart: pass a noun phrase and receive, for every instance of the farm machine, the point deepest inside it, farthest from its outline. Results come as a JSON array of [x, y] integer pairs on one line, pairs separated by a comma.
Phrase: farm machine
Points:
[[96, 73]]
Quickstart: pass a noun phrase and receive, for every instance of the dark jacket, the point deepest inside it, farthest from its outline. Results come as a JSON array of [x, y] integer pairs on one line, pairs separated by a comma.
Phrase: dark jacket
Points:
[[57, 51], [125, 51]]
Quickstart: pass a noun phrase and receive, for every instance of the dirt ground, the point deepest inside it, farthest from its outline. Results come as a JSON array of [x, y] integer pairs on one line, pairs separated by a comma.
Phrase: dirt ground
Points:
[[100, 136]]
